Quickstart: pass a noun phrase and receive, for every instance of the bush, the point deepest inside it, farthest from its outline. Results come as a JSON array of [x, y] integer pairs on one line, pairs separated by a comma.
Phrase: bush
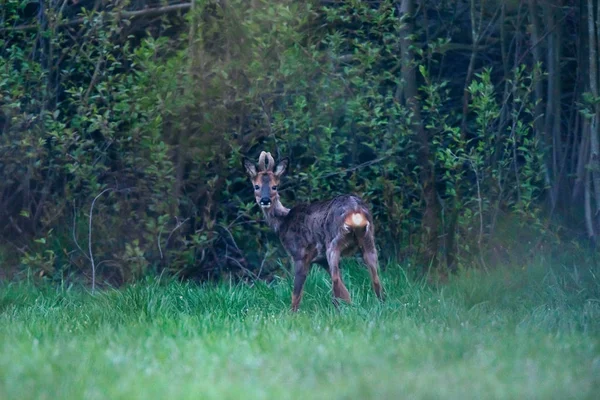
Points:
[[134, 138]]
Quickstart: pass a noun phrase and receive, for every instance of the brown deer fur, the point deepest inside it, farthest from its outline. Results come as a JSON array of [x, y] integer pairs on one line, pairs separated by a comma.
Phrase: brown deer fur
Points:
[[320, 232]]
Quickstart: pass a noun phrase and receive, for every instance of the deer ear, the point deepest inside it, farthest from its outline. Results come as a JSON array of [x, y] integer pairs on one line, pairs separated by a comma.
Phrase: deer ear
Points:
[[282, 166], [249, 166]]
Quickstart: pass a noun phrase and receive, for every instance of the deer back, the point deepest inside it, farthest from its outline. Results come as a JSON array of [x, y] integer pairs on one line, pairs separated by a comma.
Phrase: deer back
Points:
[[308, 229]]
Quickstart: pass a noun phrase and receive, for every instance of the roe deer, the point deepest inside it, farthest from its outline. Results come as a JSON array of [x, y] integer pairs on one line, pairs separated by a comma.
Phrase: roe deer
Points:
[[319, 232]]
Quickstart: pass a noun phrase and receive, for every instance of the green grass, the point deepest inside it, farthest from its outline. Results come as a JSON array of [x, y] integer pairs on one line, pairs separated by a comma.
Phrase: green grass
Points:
[[523, 333]]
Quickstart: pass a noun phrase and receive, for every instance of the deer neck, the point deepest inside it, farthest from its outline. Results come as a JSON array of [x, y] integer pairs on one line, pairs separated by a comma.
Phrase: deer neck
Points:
[[276, 214]]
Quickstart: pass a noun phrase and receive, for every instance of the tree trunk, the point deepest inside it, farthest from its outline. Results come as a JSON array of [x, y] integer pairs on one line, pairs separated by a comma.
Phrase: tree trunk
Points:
[[181, 140], [594, 162], [581, 152], [589, 223], [553, 110], [539, 128], [429, 222]]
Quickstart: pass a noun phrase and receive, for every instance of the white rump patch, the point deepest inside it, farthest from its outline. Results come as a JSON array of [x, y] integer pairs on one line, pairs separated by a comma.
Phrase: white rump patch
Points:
[[357, 219]]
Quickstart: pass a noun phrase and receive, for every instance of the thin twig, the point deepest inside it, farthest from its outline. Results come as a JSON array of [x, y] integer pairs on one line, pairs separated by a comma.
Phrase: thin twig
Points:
[[262, 264], [179, 225], [246, 270], [268, 116], [230, 236], [343, 171], [365, 164], [480, 204], [75, 232], [91, 254], [94, 79], [549, 31]]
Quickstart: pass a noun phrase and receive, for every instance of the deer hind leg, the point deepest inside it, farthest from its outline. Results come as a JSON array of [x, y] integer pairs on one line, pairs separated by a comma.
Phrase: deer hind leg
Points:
[[333, 259], [369, 253], [300, 272]]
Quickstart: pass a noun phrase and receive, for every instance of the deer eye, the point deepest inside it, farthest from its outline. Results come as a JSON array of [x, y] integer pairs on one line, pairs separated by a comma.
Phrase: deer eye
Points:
[[256, 187], [274, 188]]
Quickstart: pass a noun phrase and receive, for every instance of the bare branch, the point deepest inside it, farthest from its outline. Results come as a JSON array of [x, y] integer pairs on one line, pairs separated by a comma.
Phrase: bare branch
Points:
[[91, 254], [341, 172], [365, 164], [74, 232], [150, 12], [541, 39], [177, 226], [479, 203], [94, 78]]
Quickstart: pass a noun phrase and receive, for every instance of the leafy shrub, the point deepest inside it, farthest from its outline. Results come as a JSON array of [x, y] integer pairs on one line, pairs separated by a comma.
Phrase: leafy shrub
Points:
[[135, 139]]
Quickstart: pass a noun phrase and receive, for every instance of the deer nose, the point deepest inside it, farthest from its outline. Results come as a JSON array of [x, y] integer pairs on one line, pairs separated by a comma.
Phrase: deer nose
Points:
[[265, 201]]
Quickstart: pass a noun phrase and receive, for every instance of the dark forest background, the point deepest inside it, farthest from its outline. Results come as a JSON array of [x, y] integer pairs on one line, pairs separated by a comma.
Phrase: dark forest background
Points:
[[471, 127]]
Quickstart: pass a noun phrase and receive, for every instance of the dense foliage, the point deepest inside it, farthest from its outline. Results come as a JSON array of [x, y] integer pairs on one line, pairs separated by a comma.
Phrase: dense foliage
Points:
[[123, 125]]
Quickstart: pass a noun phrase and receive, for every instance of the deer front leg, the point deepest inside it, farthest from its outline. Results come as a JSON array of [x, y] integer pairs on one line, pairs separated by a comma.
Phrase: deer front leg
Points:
[[339, 289], [300, 273]]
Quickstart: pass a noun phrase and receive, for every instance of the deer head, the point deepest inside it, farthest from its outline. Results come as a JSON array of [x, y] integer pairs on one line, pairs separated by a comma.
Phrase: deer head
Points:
[[265, 179]]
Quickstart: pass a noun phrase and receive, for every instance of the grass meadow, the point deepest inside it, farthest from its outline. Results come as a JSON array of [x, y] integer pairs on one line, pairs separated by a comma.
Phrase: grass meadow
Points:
[[528, 332]]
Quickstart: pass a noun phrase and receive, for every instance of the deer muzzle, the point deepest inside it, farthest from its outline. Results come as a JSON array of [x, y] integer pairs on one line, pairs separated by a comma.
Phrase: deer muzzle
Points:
[[265, 202]]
